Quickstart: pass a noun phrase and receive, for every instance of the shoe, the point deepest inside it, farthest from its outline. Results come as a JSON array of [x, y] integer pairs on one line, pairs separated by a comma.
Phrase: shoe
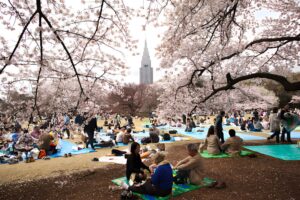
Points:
[[95, 159]]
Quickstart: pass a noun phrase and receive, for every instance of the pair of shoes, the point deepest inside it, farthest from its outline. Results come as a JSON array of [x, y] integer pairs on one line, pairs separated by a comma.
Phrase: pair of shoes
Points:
[[95, 159], [67, 155]]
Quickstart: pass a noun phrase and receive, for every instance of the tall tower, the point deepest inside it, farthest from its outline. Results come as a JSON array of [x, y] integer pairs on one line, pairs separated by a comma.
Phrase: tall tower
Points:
[[146, 71]]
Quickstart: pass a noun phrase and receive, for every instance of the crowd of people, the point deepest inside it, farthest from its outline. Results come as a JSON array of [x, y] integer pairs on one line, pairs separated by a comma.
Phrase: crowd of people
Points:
[[156, 179]]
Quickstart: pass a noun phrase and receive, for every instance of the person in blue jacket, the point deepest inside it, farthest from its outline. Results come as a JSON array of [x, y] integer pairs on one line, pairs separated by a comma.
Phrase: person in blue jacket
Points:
[[161, 181]]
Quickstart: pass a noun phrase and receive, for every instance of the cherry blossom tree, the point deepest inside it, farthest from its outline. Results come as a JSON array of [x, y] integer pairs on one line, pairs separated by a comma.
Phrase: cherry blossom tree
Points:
[[225, 43], [132, 99], [48, 45]]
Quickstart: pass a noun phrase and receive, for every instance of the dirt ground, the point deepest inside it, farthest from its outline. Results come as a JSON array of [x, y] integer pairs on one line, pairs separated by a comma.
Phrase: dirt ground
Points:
[[262, 177]]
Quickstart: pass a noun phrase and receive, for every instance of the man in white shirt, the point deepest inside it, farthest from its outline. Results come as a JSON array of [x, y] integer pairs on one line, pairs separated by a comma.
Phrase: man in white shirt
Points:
[[119, 137]]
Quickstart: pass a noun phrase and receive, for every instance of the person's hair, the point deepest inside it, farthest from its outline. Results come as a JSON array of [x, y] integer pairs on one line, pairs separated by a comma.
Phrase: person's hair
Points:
[[133, 147], [128, 130], [25, 130], [158, 157], [275, 110], [222, 112], [231, 132], [192, 148], [210, 131]]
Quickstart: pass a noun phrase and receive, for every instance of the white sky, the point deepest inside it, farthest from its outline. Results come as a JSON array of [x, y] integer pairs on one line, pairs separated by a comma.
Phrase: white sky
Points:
[[151, 34]]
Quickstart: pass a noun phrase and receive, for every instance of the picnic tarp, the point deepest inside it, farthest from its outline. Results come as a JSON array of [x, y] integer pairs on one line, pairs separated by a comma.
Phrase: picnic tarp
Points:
[[205, 154], [69, 147], [202, 135], [176, 190], [113, 159], [294, 134], [280, 151]]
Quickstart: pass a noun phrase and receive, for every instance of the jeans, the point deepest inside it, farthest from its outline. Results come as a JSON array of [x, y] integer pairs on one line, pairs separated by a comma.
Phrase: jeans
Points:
[[275, 133], [288, 135]]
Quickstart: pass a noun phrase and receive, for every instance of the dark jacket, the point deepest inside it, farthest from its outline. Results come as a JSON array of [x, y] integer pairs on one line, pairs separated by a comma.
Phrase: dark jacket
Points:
[[91, 126], [134, 165], [218, 125], [79, 120]]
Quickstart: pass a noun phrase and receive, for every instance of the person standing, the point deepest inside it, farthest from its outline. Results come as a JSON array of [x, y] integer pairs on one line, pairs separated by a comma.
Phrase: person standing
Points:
[[282, 116], [274, 125], [218, 126], [66, 124], [183, 118], [89, 128]]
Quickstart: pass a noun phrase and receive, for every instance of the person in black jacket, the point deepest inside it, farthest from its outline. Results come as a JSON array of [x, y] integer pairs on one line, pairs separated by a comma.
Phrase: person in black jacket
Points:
[[218, 126], [89, 128], [134, 163]]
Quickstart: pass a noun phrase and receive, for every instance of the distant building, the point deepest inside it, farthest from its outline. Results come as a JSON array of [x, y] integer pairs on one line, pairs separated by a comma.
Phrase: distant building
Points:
[[146, 71]]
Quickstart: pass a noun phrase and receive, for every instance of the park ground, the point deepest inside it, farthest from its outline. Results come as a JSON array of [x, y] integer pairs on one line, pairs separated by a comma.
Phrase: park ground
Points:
[[78, 177]]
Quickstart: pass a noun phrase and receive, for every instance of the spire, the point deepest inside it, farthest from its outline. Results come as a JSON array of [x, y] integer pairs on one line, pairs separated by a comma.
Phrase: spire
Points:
[[146, 57], [146, 71]]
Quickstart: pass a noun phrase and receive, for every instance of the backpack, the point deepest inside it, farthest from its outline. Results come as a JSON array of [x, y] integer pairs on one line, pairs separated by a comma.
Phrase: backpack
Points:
[[146, 140], [181, 177], [154, 138], [166, 137], [106, 144], [172, 131], [42, 154]]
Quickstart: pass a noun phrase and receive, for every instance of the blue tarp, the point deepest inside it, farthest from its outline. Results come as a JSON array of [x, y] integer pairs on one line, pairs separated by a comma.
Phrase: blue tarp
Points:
[[280, 151], [202, 135], [66, 147]]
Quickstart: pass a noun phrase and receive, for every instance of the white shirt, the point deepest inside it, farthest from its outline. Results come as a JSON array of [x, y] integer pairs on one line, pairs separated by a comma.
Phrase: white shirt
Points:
[[119, 137]]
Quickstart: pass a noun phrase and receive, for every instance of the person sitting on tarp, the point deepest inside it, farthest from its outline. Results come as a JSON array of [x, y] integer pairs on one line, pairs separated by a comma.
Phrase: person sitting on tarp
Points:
[[190, 168], [25, 144], [243, 125], [227, 121], [120, 134], [251, 127], [232, 145], [127, 137], [36, 133], [212, 142], [47, 144], [134, 163], [258, 125], [190, 124], [161, 181]]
